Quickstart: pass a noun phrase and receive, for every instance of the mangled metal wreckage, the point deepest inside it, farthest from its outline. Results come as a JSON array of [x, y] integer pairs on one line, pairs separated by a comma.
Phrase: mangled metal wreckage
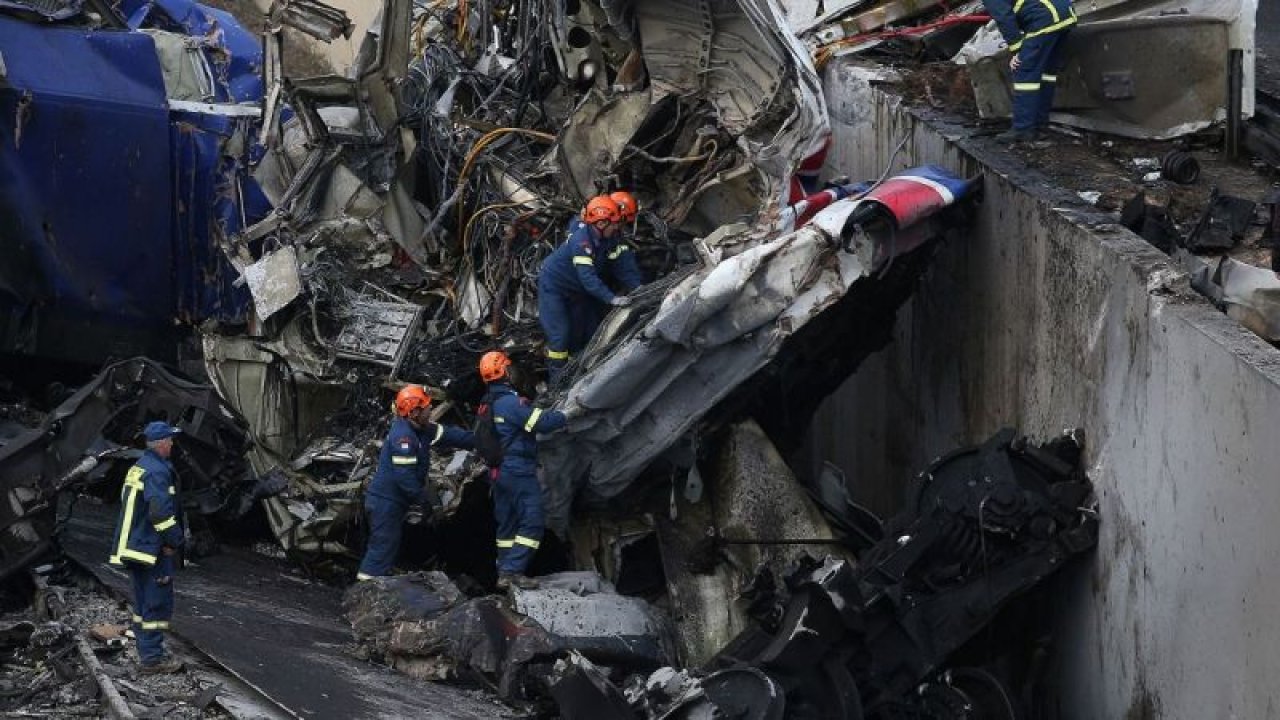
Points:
[[411, 202], [889, 624]]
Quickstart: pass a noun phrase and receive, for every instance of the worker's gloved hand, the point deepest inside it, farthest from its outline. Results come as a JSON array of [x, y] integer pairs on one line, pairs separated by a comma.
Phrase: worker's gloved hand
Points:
[[414, 516], [620, 301], [1015, 63]]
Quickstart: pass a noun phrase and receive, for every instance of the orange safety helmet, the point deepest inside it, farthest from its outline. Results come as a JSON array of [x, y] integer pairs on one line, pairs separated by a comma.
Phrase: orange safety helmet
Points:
[[410, 398], [601, 207], [493, 365], [626, 203]]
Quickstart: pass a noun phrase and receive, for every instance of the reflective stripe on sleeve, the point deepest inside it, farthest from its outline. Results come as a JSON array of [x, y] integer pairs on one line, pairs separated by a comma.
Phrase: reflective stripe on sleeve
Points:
[[579, 260], [439, 434], [557, 354], [506, 543], [166, 524], [1049, 78], [1069, 20], [1026, 87], [527, 542], [533, 419], [403, 460], [155, 625], [615, 253]]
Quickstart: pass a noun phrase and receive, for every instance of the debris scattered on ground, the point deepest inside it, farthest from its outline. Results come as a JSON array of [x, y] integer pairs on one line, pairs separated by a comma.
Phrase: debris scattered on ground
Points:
[[44, 672]]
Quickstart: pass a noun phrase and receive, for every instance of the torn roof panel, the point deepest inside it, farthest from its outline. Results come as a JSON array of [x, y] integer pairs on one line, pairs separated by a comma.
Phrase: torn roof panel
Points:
[[237, 53]]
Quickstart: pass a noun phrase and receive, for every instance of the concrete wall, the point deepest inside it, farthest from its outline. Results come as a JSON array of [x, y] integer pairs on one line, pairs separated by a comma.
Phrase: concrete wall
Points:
[[1048, 317]]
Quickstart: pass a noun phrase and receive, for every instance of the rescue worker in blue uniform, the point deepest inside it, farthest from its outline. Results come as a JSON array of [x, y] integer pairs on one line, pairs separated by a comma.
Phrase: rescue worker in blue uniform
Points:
[[620, 260], [1036, 31], [147, 538], [517, 495], [572, 287], [401, 478]]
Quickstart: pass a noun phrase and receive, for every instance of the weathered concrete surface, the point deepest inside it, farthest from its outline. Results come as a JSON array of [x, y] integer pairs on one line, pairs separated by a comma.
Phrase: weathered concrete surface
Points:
[[1051, 316]]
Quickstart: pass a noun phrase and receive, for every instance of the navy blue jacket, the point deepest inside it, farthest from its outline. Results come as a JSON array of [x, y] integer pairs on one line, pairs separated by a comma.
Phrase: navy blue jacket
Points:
[[149, 512], [401, 476], [519, 424], [1021, 19], [586, 260]]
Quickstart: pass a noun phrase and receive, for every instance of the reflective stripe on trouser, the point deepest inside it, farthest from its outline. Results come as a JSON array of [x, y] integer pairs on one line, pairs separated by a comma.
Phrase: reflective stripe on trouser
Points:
[[152, 605], [517, 506], [1039, 56], [386, 520]]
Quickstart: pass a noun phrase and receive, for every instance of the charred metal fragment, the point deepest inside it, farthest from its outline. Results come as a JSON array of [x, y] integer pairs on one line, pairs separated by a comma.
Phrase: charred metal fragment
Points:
[[77, 443], [890, 636]]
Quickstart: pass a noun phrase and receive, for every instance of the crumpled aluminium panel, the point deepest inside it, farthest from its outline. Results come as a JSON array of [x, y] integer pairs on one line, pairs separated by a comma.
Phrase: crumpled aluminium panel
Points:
[[712, 332]]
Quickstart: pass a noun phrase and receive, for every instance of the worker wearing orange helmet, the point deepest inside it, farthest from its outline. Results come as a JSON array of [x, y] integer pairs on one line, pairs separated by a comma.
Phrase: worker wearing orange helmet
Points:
[[572, 285], [517, 495], [401, 478]]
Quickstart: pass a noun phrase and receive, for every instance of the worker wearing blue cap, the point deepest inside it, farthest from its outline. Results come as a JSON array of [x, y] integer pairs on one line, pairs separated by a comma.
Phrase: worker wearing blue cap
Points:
[[147, 536]]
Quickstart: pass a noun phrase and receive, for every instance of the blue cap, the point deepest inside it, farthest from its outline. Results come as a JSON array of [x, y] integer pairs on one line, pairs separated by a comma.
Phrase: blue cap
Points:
[[159, 430]]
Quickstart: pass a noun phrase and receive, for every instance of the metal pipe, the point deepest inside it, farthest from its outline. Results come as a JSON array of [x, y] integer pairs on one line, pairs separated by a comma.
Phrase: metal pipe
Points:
[[1235, 101]]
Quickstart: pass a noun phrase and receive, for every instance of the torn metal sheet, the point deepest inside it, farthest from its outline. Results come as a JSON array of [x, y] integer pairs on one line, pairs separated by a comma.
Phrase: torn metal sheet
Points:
[[116, 236], [647, 379], [274, 281], [740, 56], [1252, 296], [320, 21]]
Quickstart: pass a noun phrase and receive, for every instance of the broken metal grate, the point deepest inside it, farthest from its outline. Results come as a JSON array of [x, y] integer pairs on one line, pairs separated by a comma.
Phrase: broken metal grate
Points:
[[376, 331]]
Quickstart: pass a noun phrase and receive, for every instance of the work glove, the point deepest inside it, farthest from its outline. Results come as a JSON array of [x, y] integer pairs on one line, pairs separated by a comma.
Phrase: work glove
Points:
[[414, 516], [620, 301]]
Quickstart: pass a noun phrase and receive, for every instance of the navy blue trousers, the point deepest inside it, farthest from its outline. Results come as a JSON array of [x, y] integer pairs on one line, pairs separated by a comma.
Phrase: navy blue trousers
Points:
[[152, 606], [386, 522], [569, 320], [517, 506], [1036, 79]]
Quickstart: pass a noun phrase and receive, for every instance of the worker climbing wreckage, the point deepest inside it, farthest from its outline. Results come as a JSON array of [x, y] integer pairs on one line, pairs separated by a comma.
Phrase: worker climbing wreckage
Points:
[[512, 425], [448, 215], [574, 290], [402, 480]]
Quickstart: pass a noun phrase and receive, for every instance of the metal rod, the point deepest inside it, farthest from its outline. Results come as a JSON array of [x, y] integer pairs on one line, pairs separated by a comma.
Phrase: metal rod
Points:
[[1235, 101], [116, 706]]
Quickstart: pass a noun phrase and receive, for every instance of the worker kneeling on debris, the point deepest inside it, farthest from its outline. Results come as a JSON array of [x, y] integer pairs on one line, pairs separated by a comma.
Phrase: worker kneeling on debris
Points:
[[147, 538], [573, 292], [517, 496], [401, 479], [1036, 31]]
